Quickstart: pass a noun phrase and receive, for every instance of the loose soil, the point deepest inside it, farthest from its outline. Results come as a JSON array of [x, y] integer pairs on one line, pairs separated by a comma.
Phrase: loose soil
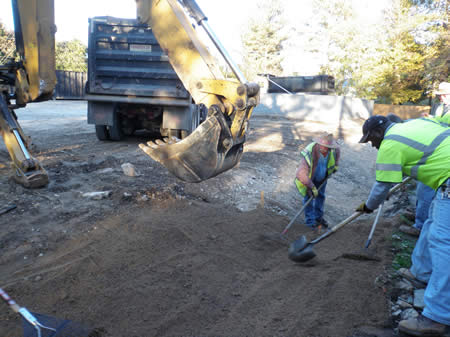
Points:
[[161, 257]]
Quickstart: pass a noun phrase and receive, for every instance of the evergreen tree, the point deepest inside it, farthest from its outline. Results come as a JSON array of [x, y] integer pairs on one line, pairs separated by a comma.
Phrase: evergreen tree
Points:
[[7, 44], [71, 56], [263, 40], [397, 61]]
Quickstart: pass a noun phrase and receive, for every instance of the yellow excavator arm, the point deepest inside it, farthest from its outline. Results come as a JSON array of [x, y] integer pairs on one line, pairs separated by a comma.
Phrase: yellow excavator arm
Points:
[[217, 143]]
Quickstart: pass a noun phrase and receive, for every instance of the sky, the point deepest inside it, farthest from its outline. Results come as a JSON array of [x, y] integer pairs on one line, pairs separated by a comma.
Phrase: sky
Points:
[[71, 17], [226, 19]]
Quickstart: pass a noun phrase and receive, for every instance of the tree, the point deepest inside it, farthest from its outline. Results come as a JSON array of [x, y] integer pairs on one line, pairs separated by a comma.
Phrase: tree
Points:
[[7, 44], [396, 61], [263, 40], [71, 55], [415, 52], [339, 41]]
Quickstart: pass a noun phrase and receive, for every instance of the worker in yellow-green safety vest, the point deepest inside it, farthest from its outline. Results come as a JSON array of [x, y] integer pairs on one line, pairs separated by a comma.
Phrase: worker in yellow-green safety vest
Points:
[[318, 161], [419, 148]]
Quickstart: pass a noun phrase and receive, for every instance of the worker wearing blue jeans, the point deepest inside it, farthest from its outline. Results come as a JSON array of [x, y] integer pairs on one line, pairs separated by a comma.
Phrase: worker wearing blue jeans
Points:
[[424, 146], [318, 161]]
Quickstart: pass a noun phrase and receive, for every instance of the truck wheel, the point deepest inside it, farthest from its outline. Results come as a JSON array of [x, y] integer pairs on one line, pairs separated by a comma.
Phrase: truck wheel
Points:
[[115, 130], [101, 132]]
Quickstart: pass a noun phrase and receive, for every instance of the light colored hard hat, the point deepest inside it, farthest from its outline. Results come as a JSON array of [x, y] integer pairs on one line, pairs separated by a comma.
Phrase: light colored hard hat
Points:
[[327, 140], [444, 89]]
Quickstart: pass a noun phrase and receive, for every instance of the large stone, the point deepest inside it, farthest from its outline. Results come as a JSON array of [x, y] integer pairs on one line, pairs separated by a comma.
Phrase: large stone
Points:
[[97, 195], [409, 313], [418, 298]]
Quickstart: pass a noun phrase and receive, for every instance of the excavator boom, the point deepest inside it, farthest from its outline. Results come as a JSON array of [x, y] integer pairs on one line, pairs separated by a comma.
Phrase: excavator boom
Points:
[[217, 144]]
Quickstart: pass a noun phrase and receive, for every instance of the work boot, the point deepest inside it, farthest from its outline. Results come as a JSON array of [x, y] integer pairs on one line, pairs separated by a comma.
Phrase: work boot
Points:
[[406, 273], [322, 222], [411, 230], [421, 326]]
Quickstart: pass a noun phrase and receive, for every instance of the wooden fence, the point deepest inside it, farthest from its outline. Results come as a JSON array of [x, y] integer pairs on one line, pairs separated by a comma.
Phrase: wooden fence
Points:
[[402, 111], [70, 84]]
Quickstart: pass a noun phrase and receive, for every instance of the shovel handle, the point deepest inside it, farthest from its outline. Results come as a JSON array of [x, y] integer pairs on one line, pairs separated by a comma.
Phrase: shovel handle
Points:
[[336, 227], [14, 306], [357, 214], [372, 230], [396, 187], [391, 191]]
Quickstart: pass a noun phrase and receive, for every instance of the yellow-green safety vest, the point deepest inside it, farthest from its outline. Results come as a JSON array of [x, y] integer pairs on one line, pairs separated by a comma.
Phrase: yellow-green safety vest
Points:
[[418, 148], [307, 154]]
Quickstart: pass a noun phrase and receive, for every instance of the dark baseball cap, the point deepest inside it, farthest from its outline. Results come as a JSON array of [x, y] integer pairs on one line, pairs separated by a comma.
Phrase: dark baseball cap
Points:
[[370, 124]]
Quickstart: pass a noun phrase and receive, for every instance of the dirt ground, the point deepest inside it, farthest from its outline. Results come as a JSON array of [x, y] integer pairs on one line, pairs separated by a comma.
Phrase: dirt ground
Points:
[[160, 257]]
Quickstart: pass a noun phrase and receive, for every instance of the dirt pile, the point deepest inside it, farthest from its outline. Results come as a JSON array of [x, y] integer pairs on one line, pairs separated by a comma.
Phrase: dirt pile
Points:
[[189, 268]]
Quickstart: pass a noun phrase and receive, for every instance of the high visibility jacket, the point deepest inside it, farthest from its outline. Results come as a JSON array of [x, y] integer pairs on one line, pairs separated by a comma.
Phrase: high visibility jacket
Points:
[[419, 148], [307, 154]]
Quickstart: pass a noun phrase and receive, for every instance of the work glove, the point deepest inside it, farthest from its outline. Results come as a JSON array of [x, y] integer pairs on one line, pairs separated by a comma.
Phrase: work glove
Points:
[[313, 192], [363, 208]]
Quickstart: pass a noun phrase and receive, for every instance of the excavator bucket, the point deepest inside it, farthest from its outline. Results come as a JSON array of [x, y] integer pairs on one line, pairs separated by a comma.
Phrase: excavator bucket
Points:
[[200, 156]]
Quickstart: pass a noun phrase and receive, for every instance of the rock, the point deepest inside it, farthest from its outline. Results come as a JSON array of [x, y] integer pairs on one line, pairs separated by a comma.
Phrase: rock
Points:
[[142, 197], [404, 285], [129, 170], [127, 196], [418, 298], [409, 313], [97, 195], [396, 313], [105, 170], [403, 304]]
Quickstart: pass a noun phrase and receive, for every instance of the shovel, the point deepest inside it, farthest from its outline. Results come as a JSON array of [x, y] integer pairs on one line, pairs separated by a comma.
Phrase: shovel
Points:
[[372, 230], [301, 250], [38, 325], [278, 237]]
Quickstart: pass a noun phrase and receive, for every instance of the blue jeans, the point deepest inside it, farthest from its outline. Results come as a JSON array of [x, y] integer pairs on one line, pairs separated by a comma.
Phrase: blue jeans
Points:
[[431, 258], [314, 211], [424, 196]]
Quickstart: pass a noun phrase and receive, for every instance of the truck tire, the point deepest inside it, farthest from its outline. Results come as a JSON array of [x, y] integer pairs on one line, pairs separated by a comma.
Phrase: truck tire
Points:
[[101, 131], [115, 130]]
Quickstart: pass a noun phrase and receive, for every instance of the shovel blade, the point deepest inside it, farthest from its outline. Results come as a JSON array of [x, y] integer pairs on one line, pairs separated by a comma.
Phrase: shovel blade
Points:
[[300, 250]]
